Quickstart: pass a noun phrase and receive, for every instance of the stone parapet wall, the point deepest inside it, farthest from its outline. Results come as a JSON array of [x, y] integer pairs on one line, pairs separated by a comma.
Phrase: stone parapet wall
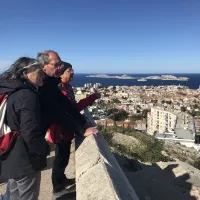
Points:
[[98, 175]]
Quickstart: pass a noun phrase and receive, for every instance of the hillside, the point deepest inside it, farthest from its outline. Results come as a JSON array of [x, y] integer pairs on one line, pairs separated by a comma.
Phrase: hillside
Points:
[[155, 169]]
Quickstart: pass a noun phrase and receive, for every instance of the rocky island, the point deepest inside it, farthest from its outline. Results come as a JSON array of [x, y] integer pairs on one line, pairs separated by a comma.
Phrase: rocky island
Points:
[[107, 76], [168, 78], [162, 77]]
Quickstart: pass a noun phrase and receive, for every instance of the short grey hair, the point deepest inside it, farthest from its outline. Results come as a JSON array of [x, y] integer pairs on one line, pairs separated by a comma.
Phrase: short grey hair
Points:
[[43, 57]]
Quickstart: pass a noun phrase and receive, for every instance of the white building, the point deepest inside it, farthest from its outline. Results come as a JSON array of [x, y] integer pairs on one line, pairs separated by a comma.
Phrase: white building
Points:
[[160, 121], [97, 85], [141, 125], [88, 85]]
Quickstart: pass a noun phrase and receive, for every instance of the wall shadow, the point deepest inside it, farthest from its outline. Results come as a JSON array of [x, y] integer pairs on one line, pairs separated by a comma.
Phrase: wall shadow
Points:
[[78, 141], [155, 183]]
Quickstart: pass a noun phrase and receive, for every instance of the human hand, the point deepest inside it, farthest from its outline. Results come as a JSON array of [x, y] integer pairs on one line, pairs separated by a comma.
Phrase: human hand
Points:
[[91, 131], [98, 94]]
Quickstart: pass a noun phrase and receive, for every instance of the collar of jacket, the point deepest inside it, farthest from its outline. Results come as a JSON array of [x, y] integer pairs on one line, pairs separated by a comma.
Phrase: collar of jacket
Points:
[[30, 86], [66, 86], [52, 80]]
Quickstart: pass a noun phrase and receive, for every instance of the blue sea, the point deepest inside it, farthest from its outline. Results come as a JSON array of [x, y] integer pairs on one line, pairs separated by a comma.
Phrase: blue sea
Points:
[[81, 79]]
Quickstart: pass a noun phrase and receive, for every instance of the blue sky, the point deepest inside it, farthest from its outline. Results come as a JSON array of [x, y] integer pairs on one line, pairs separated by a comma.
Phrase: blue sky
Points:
[[107, 36]]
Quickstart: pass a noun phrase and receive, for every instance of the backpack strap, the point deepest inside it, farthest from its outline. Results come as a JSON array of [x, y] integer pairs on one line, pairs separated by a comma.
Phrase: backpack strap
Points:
[[7, 136]]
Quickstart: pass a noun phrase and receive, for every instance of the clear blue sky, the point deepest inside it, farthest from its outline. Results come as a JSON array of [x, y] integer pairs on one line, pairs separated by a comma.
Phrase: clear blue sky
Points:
[[105, 36]]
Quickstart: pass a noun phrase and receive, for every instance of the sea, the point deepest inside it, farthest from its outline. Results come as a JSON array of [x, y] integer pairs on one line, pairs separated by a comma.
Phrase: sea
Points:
[[192, 83]]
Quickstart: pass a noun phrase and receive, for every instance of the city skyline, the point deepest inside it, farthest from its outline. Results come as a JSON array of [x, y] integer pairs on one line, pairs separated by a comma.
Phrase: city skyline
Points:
[[111, 37]]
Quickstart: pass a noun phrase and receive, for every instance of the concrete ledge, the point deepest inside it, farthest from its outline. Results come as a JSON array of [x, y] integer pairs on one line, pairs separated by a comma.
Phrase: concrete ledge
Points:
[[98, 175]]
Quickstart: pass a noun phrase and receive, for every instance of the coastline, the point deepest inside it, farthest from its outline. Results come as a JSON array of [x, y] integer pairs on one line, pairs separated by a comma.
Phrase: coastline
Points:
[[80, 79], [161, 77]]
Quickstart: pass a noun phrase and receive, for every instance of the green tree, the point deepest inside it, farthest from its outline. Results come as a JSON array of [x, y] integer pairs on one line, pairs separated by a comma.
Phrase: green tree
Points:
[[154, 101], [119, 116], [135, 117], [192, 113], [144, 113], [168, 102], [183, 109], [102, 104], [105, 95], [116, 101], [112, 111], [197, 113]]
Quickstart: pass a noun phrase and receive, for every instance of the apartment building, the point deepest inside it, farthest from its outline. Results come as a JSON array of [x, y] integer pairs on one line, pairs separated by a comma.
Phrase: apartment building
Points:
[[197, 124], [80, 95], [160, 121]]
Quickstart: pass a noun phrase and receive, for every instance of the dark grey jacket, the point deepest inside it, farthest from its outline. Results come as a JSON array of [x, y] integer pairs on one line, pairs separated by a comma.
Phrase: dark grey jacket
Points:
[[29, 152]]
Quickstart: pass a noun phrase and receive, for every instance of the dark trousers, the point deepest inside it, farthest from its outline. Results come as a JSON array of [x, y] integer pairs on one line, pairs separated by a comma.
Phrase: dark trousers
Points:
[[62, 153]]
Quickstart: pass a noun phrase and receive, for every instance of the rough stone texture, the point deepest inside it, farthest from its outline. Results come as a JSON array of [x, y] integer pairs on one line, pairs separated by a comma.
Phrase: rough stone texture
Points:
[[98, 175]]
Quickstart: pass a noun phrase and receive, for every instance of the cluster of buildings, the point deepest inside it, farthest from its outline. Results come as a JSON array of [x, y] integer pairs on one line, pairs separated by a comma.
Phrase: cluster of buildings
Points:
[[172, 111], [89, 85]]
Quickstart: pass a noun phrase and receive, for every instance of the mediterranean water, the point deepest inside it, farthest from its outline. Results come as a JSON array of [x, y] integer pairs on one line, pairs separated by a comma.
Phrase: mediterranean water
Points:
[[192, 83]]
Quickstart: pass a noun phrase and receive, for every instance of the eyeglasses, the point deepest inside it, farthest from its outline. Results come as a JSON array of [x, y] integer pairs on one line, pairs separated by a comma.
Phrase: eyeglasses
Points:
[[57, 65]]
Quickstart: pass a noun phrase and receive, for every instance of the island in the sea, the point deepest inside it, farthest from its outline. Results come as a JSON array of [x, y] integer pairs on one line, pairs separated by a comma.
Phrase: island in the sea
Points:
[[168, 78], [162, 77], [108, 76]]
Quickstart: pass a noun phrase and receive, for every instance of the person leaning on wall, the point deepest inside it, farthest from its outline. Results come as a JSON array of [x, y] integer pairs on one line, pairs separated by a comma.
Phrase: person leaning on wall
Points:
[[62, 137], [21, 166]]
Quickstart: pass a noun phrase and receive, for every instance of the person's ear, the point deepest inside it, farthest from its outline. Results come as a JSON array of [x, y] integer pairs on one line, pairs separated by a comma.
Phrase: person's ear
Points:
[[25, 74], [44, 68]]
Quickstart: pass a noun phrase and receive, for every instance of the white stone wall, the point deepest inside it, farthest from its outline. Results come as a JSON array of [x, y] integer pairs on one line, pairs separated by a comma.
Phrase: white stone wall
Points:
[[98, 175]]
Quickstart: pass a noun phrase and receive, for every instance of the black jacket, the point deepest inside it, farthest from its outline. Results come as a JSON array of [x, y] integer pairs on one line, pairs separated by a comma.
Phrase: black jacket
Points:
[[23, 115], [57, 109]]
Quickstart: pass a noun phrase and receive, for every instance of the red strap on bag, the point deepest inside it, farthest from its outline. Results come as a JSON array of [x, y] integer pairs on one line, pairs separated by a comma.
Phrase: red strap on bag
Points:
[[7, 136]]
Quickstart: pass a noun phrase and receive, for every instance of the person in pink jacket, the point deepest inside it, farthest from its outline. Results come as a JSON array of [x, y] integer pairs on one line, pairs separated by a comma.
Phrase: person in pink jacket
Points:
[[62, 138]]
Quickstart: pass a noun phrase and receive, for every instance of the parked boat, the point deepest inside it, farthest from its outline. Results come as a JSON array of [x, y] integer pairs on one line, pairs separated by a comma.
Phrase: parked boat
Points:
[[142, 79]]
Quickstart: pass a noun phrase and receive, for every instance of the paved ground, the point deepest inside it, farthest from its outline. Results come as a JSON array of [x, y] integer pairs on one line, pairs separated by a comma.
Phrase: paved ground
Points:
[[46, 186]]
